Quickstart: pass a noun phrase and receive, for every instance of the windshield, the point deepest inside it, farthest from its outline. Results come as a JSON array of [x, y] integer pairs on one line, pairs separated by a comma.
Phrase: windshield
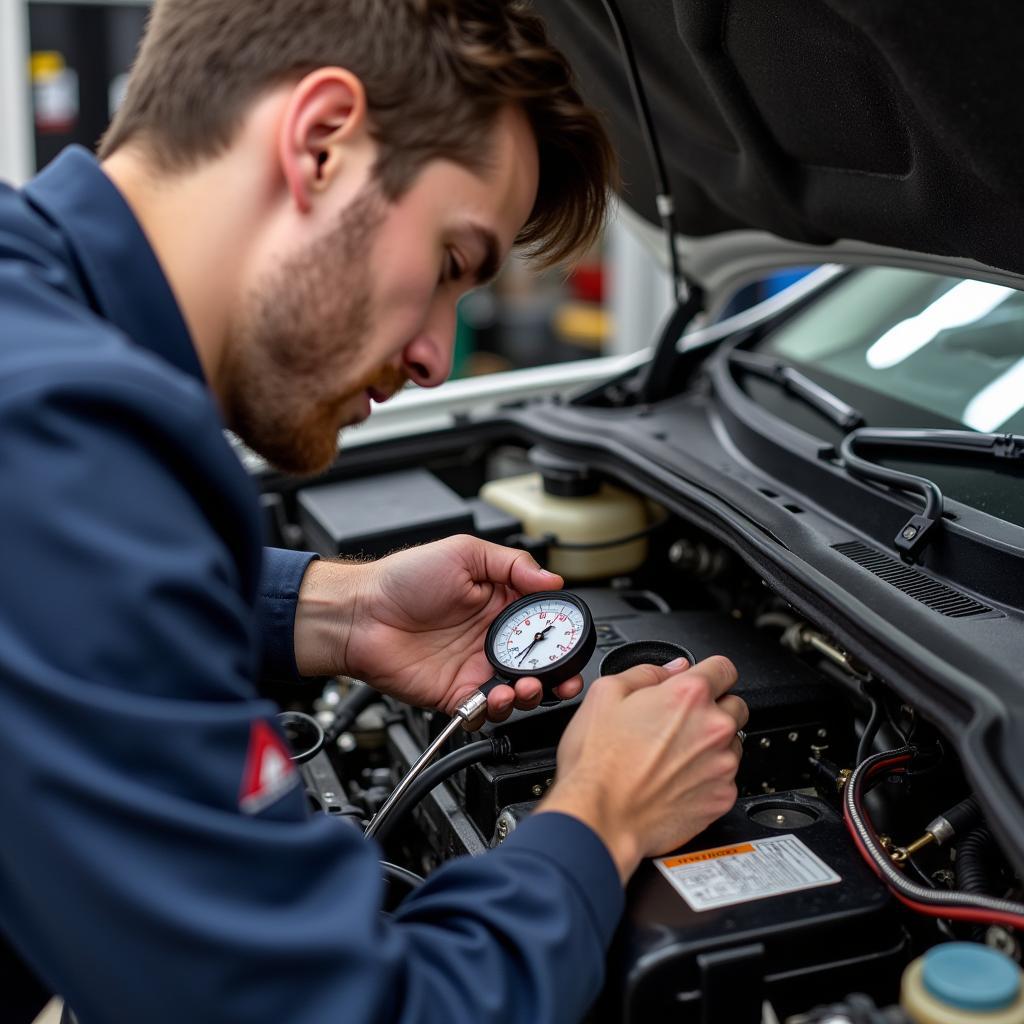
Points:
[[947, 345]]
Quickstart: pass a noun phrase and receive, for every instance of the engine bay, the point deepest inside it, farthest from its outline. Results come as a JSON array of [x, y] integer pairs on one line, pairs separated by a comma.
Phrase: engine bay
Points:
[[781, 910]]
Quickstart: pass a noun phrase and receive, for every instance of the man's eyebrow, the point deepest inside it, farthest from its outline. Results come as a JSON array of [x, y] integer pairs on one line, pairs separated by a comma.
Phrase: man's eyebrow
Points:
[[490, 264]]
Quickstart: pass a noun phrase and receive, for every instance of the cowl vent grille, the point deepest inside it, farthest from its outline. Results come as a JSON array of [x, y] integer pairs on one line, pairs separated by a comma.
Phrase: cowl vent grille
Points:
[[937, 596]]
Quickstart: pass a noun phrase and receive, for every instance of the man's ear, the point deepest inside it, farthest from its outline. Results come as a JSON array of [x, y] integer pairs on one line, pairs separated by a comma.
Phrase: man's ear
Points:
[[324, 123]]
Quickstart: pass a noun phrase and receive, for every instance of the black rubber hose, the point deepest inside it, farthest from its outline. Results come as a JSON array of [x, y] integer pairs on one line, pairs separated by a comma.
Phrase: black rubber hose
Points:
[[399, 882], [975, 868], [874, 722], [497, 748], [828, 774], [402, 876], [964, 817], [351, 706]]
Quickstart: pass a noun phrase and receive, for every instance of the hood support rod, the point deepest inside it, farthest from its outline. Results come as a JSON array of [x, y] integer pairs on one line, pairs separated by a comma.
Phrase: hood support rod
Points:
[[688, 295]]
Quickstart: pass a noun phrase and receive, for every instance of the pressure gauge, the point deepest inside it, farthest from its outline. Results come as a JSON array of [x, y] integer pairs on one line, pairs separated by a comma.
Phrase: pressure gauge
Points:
[[549, 635]]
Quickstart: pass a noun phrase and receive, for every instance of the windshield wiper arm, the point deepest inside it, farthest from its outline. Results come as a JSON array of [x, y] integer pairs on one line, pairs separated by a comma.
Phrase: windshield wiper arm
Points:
[[831, 406], [917, 533], [952, 442], [920, 529]]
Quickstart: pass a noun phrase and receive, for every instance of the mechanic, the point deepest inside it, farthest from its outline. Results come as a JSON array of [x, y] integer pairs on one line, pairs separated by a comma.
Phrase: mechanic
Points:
[[291, 199]]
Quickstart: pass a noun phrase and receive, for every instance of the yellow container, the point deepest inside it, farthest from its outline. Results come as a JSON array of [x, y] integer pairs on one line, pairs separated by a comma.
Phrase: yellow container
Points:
[[592, 519]]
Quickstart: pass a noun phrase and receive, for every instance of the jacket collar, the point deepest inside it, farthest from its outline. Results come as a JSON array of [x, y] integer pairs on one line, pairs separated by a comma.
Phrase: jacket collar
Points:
[[114, 260]]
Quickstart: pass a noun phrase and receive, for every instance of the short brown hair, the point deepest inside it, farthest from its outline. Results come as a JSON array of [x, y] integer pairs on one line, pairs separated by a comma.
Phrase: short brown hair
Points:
[[436, 74]]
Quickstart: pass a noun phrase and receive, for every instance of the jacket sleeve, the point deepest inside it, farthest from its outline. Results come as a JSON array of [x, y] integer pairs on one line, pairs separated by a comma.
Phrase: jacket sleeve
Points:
[[131, 879], [275, 611]]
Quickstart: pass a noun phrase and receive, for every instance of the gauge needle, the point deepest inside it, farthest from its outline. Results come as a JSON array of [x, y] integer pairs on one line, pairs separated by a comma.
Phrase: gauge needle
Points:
[[536, 640]]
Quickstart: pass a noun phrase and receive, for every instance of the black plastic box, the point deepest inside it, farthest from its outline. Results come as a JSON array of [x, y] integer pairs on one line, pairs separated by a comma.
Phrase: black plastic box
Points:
[[374, 515], [799, 949]]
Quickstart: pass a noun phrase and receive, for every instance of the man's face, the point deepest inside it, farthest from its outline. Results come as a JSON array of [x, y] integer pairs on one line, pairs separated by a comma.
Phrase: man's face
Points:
[[370, 302]]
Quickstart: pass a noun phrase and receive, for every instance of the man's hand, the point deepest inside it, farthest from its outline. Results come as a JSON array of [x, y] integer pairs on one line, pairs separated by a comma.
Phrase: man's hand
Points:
[[413, 624], [649, 760]]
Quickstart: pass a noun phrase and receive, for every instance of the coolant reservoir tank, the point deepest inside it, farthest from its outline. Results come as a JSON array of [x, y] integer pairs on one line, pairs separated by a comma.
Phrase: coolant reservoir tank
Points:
[[565, 500], [963, 983]]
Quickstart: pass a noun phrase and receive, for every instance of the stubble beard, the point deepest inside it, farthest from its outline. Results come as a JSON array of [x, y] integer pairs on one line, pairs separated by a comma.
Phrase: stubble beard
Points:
[[290, 354]]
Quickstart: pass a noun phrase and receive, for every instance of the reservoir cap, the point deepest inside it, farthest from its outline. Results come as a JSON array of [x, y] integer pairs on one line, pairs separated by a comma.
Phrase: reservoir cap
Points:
[[564, 478], [970, 976]]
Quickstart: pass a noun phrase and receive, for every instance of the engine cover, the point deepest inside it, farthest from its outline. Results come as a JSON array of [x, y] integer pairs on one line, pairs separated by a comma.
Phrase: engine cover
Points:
[[834, 930]]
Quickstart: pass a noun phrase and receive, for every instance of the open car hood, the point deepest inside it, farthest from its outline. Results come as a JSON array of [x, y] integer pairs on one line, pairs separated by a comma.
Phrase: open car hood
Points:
[[844, 130]]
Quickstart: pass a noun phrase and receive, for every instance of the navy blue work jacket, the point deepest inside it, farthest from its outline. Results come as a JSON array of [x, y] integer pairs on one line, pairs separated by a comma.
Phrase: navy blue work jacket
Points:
[[138, 614]]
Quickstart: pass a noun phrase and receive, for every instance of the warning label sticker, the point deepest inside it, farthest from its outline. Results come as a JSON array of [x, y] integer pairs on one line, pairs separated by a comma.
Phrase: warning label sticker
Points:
[[726, 875]]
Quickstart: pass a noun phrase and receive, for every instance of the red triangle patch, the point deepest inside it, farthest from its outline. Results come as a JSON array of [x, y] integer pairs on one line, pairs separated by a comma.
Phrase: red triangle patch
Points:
[[269, 772]]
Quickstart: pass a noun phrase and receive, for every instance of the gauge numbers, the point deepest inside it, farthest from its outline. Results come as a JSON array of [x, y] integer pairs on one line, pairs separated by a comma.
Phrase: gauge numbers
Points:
[[536, 636]]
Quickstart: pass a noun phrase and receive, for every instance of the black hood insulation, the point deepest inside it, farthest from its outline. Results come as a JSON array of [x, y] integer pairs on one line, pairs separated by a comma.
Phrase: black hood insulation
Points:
[[895, 123]]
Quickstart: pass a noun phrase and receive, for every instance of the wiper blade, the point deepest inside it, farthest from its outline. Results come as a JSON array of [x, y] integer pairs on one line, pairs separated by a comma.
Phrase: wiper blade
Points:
[[831, 406], [918, 532], [952, 442]]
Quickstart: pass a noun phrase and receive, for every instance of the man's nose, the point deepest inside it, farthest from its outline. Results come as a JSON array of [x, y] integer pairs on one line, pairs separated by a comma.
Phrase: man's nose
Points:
[[428, 357]]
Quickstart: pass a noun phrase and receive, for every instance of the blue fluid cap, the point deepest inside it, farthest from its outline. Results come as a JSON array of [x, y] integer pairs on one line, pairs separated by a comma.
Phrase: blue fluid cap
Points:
[[970, 976]]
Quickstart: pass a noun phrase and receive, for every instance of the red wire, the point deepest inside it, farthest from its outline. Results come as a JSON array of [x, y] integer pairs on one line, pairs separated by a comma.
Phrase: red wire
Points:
[[937, 910], [962, 913]]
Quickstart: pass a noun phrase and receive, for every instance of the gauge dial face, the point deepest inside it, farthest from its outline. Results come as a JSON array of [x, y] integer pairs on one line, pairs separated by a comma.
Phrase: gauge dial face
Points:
[[539, 634]]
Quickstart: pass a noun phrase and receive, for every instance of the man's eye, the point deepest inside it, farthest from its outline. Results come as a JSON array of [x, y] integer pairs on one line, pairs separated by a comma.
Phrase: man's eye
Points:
[[452, 269]]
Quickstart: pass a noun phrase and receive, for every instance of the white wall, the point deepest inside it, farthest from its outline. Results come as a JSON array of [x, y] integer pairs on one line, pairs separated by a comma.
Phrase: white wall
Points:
[[16, 147]]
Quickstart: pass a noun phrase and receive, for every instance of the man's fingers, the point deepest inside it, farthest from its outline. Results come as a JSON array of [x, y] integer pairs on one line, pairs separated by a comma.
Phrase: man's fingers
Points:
[[510, 566], [529, 691], [500, 702], [719, 672], [735, 707], [639, 677], [569, 689], [528, 694], [502, 699]]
